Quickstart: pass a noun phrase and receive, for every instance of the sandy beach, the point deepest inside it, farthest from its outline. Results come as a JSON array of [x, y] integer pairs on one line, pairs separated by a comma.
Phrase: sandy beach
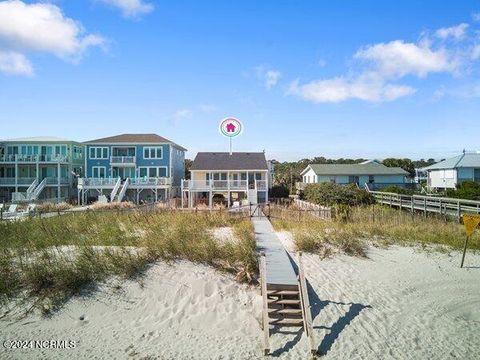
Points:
[[399, 303]]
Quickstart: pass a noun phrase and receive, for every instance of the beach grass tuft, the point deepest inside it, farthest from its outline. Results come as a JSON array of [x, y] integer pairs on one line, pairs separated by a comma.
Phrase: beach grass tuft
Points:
[[54, 258]]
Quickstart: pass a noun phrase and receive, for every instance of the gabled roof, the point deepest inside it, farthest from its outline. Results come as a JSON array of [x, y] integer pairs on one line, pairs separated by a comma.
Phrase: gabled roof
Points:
[[134, 139], [225, 161], [460, 161], [370, 168]]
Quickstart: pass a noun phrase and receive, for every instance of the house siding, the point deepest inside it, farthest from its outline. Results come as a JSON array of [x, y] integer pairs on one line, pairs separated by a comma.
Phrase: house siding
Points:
[[139, 157]]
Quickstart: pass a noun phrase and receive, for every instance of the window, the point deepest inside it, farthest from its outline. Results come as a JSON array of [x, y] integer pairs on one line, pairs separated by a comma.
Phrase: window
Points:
[[98, 153], [98, 171], [333, 179], [152, 172], [371, 179], [77, 152], [153, 152]]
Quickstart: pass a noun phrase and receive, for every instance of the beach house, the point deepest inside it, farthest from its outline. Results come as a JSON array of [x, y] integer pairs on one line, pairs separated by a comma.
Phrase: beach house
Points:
[[39, 168], [371, 173], [134, 167], [448, 173], [231, 178]]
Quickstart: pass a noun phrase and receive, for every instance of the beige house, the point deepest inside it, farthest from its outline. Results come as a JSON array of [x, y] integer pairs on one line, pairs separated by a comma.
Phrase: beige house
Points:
[[235, 179]]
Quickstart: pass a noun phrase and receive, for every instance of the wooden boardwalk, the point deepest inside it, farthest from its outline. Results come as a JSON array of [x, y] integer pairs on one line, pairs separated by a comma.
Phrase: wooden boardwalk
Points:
[[285, 295], [450, 207], [279, 270]]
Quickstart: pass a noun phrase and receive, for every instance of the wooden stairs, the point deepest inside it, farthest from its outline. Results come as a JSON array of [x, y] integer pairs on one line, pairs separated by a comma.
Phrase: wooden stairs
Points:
[[286, 306]]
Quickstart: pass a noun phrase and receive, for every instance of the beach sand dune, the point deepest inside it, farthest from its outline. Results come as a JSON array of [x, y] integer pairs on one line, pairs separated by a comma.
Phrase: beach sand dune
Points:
[[399, 303]]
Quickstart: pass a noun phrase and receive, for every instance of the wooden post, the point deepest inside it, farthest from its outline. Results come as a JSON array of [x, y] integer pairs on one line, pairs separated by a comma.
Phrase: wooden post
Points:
[[459, 215], [266, 326], [464, 251], [307, 312]]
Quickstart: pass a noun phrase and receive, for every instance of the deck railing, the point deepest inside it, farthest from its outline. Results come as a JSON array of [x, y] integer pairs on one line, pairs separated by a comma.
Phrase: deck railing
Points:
[[34, 158], [224, 185], [428, 204], [111, 182], [122, 159]]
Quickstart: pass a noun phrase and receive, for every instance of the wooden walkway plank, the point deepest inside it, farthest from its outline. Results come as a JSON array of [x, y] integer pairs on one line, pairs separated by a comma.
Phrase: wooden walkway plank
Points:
[[307, 312], [266, 321]]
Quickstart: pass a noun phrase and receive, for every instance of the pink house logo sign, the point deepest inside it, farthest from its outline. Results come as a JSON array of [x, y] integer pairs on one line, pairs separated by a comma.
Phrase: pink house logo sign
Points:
[[231, 127]]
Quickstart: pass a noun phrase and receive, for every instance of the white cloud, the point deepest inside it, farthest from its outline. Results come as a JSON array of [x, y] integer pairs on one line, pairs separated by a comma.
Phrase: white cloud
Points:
[[130, 8], [42, 27], [15, 64], [476, 52], [269, 77], [207, 108], [455, 32], [476, 16], [183, 114], [397, 59], [381, 66], [341, 89]]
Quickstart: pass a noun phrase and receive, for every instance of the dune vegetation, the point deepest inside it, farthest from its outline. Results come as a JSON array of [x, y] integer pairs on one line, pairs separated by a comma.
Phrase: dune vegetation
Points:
[[356, 227], [47, 260]]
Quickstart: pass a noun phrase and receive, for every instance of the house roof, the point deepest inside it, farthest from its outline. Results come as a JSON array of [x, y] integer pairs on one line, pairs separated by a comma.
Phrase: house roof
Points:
[[38, 139], [134, 139], [370, 168], [225, 161], [460, 161]]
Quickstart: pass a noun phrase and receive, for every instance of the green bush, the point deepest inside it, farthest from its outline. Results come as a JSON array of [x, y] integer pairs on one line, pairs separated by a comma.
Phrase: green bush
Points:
[[330, 194], [397, 190], [469, 190], [279, 191]]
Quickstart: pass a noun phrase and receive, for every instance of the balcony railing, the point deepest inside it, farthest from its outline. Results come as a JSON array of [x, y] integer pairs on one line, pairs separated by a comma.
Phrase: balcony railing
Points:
[[34, 158], [134, 182], [54, 181], [151, 181], [224, 185], [20, 181], [122, 159]]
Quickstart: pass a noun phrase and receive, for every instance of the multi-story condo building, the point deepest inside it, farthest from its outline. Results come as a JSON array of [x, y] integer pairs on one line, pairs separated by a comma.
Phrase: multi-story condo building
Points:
[[134, 167], [39, 168], [238, 177]]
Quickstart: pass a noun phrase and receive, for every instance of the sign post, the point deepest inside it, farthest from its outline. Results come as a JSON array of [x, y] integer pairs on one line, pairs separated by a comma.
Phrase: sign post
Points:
[[230, 127], [470, 222]]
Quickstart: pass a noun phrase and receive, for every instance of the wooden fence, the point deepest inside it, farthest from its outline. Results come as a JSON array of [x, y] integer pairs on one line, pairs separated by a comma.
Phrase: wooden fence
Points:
[[448, 207]]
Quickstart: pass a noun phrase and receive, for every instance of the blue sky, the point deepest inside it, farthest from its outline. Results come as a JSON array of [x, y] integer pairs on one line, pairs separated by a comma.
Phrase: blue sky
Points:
[[369, 79]]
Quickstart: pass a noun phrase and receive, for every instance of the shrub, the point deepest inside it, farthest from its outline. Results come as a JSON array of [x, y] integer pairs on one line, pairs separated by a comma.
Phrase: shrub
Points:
[[47, 207], [397, 190], [330, 194], [279, 191], [469, 190]]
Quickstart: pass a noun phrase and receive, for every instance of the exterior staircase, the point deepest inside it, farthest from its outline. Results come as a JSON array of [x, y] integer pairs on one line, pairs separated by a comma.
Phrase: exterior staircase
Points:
[[35, 193], [284, 308], [123, 190], [115, 189]]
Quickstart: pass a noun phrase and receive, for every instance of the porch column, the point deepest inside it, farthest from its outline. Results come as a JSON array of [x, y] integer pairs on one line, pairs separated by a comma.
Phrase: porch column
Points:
[[16, 173], [210, 199], [228, 189], [58, 181]]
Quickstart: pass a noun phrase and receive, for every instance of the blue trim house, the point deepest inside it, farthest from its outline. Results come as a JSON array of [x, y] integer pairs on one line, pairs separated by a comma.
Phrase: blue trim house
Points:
[[449, 173], [134, 167], [369, 173]]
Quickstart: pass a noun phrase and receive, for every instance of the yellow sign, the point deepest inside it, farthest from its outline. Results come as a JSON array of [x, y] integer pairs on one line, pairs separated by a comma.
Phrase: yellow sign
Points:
[[470, 222]]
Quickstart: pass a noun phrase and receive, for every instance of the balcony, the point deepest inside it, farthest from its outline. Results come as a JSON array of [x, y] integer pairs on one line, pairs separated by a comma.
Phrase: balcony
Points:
[[224, 185], [33, 159], [122, 160], [109, 183], [22, 181]]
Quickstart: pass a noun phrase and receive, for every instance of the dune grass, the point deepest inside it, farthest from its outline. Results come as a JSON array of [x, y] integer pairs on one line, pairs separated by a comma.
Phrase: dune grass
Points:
[[378, 225], [51, 259]]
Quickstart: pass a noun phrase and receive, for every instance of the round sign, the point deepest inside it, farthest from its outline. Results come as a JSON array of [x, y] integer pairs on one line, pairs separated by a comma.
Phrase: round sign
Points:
[[231, 127]]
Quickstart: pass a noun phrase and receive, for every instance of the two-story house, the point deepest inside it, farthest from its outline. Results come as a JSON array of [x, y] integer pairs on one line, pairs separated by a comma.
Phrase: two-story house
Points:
[[39, 168], [238, 177], [134, 167]]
